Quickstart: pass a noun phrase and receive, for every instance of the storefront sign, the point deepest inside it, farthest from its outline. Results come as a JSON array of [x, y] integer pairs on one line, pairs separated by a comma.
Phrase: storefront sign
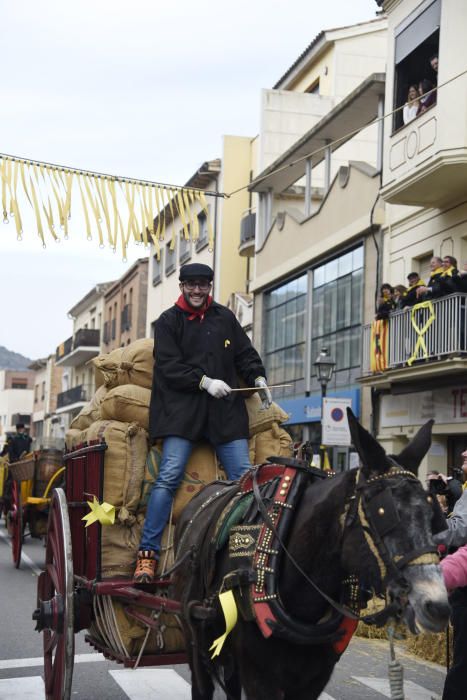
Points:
[[307, 409], [443, 405], [335, 425]]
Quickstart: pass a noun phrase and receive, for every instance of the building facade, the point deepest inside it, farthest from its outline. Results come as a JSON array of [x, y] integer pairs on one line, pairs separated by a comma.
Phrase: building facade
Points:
[[16, 400], [74, 354], [125, 304], [47, 385], [424, 185], [316, 253]]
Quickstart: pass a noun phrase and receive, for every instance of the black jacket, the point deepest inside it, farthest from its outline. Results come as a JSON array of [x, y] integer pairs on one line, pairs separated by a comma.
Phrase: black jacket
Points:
[[16, 445], [186, 350]]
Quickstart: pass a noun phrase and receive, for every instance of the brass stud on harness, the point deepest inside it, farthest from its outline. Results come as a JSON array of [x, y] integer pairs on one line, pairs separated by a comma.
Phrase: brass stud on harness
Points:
[[282, 492], [429, 499], [380, 511], [287, 478]]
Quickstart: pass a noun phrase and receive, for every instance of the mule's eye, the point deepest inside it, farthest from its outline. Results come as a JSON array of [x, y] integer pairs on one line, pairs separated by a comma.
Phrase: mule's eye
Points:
[[429, 499], [380, 511]]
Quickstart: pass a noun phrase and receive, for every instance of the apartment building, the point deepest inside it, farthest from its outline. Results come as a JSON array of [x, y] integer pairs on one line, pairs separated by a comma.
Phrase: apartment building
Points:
[[73, 355], [317, 244], [225, 218], [125, 303], [47, 385], [424, 184], [16, 400]]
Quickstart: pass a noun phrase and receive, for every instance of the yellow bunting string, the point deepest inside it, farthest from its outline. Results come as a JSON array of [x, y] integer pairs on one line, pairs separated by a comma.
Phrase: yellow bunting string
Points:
[[101, 191], [85, 207], [195, 223], [95, 208], [421, 331], [103, 513], [204, 204]]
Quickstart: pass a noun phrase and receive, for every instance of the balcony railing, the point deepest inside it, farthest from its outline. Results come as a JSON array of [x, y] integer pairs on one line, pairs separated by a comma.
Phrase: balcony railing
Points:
[[84, 337], [442, 331], [247, 232], [77, 394]]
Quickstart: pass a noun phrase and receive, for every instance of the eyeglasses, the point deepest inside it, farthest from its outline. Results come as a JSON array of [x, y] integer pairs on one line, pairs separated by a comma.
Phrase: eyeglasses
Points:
[[202, 286]]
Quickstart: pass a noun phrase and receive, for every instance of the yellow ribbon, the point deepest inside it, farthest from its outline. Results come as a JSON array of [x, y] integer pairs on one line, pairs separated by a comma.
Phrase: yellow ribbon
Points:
[[421, 331], [104, 513], [229, 608]]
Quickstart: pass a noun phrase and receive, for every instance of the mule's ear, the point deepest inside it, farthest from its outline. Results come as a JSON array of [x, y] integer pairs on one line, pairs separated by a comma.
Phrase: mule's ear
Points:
[[412, 455], [371, 454]]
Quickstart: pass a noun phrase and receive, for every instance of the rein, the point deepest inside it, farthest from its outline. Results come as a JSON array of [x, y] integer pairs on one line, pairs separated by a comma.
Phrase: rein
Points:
[[373, 535]]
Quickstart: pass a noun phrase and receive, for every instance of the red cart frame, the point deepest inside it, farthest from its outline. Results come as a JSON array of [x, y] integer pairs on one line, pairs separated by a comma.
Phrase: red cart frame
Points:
[[72, 578]]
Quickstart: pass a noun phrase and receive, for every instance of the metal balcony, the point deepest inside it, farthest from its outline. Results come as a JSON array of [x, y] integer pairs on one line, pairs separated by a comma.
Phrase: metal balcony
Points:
[[247, 234], [441, 349], [79, 349], [73, 398]]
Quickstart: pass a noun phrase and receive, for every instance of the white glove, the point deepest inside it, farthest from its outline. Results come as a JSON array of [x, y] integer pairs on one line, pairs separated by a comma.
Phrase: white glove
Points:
[[216, 387], [264, 393]]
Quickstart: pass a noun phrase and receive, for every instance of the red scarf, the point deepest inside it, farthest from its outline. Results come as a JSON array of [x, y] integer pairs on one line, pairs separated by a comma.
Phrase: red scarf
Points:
[[194, 313]]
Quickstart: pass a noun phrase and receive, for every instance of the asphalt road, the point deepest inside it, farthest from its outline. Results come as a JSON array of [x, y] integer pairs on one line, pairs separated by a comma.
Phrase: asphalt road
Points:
[[360, 675]]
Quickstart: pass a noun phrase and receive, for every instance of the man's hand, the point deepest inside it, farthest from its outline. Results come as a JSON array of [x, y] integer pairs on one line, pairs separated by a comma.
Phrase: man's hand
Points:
[[263, 391], [216, 387]]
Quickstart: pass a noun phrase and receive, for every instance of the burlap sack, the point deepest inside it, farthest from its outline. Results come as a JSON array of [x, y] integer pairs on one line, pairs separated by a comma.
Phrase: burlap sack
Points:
[[260, 419], [91, 412], [201, 469], [252, 449], [74, 437], [275, 442], [124, 464], [132, 364], [128, 403], [119, 545]]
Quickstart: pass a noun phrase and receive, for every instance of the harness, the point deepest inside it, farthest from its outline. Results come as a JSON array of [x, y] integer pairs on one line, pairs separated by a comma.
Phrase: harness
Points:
[[265, 503]]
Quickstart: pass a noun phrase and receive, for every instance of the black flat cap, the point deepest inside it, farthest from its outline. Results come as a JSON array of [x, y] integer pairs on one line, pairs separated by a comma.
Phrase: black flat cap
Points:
[[196, 271]]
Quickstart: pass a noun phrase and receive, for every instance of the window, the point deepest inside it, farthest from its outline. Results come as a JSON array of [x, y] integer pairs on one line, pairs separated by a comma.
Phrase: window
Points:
[[184, 248], [337, 313], [156, 269], [284, 319], [36, 393], [203, 230], [19, 384], [416, 42], [170, 258], [43, 391], [314, 88]]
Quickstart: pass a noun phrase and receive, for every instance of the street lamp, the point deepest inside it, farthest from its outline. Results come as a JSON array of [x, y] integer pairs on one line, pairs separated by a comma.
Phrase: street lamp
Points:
[[324, 369]]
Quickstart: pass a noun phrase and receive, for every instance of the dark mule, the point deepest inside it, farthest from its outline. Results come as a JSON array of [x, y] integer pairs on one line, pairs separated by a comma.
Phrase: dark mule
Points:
[[374, 522]]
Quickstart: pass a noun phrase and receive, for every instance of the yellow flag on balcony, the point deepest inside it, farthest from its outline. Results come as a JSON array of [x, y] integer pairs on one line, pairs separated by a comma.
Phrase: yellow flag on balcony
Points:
[[379, 345]]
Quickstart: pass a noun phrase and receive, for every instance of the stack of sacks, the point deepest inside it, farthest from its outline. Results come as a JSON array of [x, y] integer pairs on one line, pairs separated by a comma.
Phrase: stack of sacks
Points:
[[119, 414]]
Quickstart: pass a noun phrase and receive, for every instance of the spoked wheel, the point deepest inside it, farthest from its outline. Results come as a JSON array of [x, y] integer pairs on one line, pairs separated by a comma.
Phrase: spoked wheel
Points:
[[14, 523], [55, 603]]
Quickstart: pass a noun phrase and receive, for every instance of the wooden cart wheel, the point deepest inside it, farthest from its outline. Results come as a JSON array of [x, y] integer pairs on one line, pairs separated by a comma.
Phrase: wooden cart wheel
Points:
[[55, 603], [14, 520]]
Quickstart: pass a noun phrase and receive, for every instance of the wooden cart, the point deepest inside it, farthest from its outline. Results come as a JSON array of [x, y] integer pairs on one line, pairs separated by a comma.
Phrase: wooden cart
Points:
[[72, 594], [33, 479]]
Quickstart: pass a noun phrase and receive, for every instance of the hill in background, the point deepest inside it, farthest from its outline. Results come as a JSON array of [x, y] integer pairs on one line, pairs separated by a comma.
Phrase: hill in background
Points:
[[13, 360]]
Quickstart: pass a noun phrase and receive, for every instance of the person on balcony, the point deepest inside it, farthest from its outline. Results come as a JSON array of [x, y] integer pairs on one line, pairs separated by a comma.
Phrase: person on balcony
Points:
[[434, 66], [385, 302], [200, 351], [400, 291], [441, 283], [427, 95], [412, 105], [410, 297], [459, 280]]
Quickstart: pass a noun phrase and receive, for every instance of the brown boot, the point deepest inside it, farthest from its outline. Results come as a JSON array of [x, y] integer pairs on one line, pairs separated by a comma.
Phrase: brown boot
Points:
[[146, 565]]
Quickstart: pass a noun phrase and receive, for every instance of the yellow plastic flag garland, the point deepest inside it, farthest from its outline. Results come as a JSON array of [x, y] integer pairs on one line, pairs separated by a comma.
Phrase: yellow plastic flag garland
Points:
[[103, 513], [229, 608], [115, 204]]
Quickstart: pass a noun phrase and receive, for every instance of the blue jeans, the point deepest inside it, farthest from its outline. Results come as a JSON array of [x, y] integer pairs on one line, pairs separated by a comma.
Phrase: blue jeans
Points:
[[175, 454]]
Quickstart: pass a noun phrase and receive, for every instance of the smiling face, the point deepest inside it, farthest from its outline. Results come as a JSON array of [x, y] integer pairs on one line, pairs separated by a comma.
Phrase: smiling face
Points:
[[195, 292], [435, 263]]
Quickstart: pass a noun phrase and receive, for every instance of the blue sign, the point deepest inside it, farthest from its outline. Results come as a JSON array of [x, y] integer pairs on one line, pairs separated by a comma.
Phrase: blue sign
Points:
[[307, 409]]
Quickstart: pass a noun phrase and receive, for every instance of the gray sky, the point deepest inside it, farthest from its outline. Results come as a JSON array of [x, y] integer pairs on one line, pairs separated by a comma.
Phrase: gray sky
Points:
[[143, 89]]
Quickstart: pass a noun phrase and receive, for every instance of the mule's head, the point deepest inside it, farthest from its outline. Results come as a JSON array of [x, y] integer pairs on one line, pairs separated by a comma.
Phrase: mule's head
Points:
[[398, 519]]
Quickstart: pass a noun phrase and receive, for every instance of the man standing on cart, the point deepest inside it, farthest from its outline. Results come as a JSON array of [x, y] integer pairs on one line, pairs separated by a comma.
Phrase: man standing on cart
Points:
[[200, 352]]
